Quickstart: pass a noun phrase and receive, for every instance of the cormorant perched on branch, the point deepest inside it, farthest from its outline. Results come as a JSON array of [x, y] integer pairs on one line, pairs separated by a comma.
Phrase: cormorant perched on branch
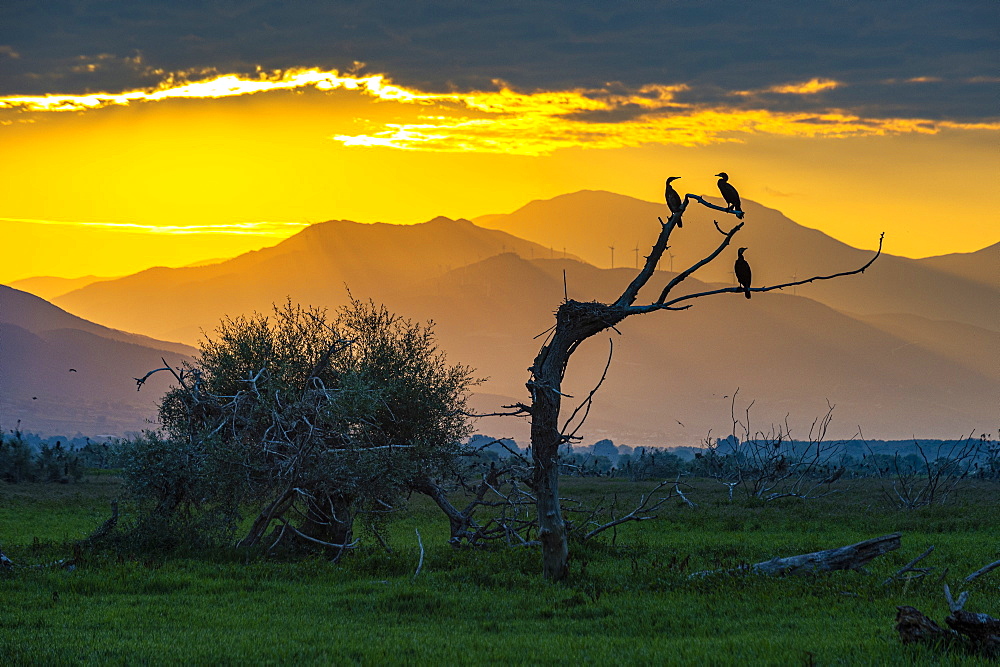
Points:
[[673, 199], [729, 193], [742, 270]]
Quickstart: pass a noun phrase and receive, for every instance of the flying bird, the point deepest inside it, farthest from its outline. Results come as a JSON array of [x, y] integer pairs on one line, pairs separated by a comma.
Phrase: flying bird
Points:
[[742, 270], [729, 193], [73, 370], [673, 199]]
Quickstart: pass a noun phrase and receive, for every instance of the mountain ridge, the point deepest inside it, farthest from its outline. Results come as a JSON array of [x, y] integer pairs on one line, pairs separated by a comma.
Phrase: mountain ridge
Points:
[[62, 374], [917, 372]]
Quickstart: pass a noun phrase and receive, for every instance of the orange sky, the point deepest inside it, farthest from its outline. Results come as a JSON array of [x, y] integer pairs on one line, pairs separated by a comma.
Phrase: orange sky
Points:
[[237, 164]]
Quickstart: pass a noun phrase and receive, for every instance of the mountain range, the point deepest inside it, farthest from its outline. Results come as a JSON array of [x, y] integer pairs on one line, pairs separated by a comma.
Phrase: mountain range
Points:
[[907, 349], [62, 374]]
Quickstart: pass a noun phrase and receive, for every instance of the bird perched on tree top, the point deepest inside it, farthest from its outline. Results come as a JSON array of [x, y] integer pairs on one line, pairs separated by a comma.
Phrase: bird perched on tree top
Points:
[[742, 270], [729, 193], [673, 199]]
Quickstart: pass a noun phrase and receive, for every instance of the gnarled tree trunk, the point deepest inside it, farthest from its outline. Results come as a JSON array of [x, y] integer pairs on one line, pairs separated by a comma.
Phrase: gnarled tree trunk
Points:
[[576, 322]]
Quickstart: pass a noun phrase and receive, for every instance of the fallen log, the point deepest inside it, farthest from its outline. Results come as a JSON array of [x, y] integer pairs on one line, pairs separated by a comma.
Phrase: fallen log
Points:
[[915, 627], [975, 633], [851, 557], [978, 573]]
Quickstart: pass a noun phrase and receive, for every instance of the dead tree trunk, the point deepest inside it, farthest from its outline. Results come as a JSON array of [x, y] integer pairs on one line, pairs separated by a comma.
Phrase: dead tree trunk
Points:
[[459, 523], [976, 633], [851, 557], [576, 322]]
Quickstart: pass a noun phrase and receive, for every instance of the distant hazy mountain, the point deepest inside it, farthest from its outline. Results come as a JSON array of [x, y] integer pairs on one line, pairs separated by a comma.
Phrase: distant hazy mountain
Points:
[[780, 250], [37, 315], [673, 374], [915, 363], [317, 265], [40, 344], [49, 287], [981, 266]]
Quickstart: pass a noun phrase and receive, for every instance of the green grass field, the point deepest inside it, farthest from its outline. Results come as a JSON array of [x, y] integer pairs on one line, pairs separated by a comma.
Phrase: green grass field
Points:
[[627, 600]]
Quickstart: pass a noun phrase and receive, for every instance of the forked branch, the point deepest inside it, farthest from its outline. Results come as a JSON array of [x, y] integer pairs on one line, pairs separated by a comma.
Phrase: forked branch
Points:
[[668, 305], [682, 276]]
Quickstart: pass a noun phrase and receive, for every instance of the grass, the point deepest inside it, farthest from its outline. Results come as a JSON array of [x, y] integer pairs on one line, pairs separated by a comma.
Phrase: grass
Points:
[[627, 601]]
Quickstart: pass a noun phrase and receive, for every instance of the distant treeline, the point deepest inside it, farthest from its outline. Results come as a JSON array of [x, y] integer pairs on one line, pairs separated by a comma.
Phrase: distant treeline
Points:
[[26, 457], [862, 457]]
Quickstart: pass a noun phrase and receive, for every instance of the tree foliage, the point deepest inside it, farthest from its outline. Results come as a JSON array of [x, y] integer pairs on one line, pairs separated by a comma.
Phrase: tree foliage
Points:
[[302, 420]]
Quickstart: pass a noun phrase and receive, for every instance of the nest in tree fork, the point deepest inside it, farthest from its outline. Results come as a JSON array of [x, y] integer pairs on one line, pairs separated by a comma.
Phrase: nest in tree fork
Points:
[[588, 317]]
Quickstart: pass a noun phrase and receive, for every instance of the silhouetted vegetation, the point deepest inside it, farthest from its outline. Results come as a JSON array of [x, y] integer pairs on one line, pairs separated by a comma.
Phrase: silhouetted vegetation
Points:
[[299, 423], [19, 462]]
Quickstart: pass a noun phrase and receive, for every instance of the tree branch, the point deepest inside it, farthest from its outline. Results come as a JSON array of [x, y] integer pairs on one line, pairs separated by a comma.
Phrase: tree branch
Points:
[[640, 513], [681, 277], [631, 292], [978, 573], [739, 290], [589, 400], [738, 214], [516, 410]]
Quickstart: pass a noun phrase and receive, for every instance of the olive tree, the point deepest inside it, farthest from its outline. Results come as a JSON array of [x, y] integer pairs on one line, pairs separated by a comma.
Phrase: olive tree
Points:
[[300, 421]]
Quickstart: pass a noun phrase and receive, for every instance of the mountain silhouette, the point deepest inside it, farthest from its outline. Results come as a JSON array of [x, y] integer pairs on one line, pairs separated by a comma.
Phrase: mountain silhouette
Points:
[[587, 222], [314, 266], [49, 287], [895, 363], [37, 315], [40, 343], [982, 266], [790, 354]]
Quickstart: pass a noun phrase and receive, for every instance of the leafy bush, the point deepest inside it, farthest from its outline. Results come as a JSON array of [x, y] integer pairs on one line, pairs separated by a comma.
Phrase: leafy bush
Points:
[[301, 420]]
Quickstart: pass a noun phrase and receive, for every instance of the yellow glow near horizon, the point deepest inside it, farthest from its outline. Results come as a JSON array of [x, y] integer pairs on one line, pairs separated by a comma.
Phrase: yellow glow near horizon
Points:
[[273, 229], [197, 161]]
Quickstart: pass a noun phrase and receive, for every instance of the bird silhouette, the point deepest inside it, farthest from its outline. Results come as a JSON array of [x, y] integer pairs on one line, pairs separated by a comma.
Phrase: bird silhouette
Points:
[[743, 274], [72, 370], [673, 199], [729, 193]]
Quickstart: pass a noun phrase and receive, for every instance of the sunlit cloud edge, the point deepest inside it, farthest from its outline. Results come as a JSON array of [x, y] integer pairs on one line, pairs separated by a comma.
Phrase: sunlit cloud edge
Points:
[[533, 123]]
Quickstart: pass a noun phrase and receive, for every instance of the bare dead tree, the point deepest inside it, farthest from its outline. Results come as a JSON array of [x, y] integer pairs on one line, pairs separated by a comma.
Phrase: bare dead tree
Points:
[[770, 464], [499, 503], [576, 321], [939, 473]]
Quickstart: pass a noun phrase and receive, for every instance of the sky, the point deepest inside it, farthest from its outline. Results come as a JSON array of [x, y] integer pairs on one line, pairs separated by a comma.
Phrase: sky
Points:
[[135, 133]]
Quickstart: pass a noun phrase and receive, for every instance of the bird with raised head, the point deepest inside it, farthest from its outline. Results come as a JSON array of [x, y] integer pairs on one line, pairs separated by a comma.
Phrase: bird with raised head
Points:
[[673, 199], [729, 193], [743, 274]]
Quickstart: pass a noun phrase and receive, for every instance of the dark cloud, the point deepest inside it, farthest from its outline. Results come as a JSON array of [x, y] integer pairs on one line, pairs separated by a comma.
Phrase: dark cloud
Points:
[[716, 47]]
